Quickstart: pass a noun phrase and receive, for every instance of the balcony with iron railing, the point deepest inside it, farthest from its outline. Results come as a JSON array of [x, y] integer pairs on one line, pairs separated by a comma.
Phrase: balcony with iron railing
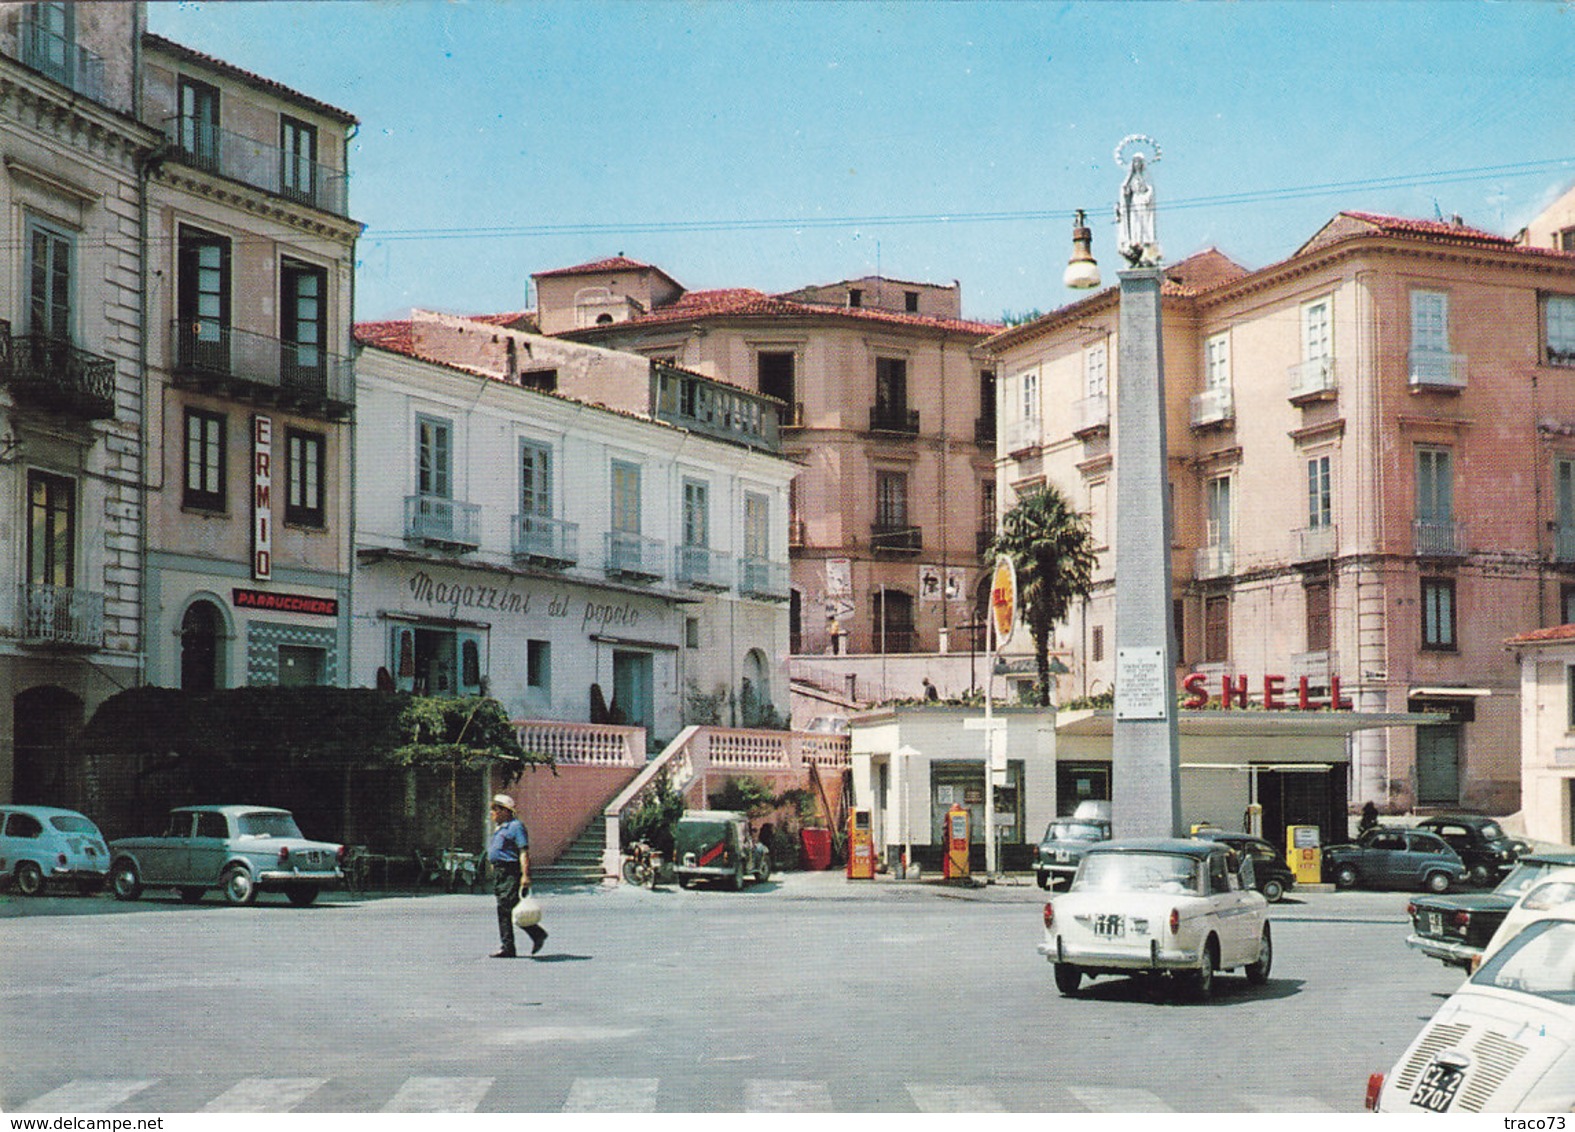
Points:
[[1212, 562], [259, 164], [1564, 542], [1091, 415], [701, 568], [889, 539], [1439, 538], [1312, 380], [763, 579], [302, 376], [61, 616], [1316, 542], [1213, 408], [50, 373], [58, 57], [894, 418], [1436, 369], [796, 532], [633, 557], [446, 524], [1023, 434], [540, 541]]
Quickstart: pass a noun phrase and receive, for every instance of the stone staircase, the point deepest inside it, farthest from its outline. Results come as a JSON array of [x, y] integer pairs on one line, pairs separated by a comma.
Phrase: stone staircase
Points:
[[581, 862]]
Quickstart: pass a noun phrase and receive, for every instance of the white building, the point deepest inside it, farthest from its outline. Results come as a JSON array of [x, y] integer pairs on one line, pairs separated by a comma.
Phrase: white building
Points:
[[567, 527], [1547, 732]]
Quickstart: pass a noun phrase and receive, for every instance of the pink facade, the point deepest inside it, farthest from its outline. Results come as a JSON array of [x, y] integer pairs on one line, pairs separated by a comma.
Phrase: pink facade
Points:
[[1372, 448]]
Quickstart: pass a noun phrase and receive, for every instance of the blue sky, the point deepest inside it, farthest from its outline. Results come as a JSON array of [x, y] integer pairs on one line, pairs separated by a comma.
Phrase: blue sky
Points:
[[773, 145]]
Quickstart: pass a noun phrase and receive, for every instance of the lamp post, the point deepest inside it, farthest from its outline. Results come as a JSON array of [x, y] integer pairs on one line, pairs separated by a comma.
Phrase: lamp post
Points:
[[905, 755], [1145, 745]]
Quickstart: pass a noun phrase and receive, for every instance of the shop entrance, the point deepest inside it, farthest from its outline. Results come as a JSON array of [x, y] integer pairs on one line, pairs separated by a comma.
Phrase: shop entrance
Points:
[[1304, 797]]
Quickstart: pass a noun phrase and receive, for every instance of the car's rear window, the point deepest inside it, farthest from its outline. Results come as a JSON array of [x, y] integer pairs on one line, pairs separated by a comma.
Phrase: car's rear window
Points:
[[1137, 872], [1074, 831], [73, 823], [1540, 961], [267, 825]]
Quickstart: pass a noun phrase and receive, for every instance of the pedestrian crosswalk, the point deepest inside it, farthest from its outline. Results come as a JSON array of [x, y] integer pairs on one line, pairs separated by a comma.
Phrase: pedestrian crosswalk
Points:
[[622, 1094]]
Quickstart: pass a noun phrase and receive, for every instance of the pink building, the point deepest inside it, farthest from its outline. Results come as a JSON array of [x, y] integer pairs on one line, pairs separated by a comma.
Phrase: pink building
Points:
[[889, 407], [1372, 449]]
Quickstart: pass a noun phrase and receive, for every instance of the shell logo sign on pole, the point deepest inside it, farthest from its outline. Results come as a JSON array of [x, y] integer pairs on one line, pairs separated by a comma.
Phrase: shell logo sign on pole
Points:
[[1003, 599]]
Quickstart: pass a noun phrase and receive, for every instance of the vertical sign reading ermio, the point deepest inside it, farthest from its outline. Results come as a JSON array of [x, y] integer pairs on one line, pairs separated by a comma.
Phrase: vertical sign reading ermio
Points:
[[262, 503]]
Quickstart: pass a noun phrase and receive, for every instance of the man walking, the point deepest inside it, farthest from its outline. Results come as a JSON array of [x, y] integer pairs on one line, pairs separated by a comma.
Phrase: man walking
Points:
[[509, 856]]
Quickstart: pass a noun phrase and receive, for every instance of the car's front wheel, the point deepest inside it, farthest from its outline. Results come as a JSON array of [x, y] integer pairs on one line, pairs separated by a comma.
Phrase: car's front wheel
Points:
[[1481, 875], [124, 881], [1067, 978], [1258, 972], [1273, 891], [29, 878], [302, 895], [763, 868], [238, 887], [1437, 882], [1345, 876]]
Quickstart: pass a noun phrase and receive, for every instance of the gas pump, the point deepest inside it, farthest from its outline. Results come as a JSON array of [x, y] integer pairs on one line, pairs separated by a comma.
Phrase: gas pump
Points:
[[861, 846], [954, 859], [1304, 853]]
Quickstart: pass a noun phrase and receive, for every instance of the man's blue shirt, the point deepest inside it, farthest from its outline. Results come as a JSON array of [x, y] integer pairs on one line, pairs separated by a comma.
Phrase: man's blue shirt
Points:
[[508, 843]]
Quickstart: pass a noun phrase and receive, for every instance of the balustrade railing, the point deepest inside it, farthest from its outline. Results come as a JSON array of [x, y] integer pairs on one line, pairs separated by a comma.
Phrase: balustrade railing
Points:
[[1312, 378], [631, 555], [759, 578], [703, 568], [582, 744], [696, 751], [1437, 369]]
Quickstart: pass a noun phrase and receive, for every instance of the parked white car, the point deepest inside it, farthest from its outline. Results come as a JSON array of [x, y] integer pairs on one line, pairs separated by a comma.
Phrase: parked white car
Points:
[[1547, 895], [41, 844], [1181, 908], [1503, 1042]]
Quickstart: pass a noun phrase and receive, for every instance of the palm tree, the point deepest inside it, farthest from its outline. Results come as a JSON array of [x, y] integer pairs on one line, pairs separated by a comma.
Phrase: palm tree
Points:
[[1051, 547]]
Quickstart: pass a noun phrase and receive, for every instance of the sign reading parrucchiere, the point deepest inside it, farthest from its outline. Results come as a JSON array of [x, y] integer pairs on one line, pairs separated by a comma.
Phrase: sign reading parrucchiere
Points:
[[286, 603]]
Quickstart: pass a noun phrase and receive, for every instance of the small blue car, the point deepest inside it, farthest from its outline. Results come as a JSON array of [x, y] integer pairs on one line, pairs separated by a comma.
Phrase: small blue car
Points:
[[1395, 858], [43, 844]]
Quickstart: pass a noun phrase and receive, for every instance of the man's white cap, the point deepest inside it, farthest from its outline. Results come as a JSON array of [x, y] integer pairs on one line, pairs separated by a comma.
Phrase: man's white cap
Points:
[[503, 800]]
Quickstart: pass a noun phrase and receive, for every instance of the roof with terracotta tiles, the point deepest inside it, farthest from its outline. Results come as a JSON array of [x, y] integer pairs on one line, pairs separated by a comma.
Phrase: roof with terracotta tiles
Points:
[[152, 39], [1550, 635], [743, 302], [396, 335], [1351, 224], [508, 320]]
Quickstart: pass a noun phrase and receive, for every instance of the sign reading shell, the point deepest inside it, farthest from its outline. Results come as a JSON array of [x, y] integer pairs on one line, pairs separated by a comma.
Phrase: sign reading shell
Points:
[[1003, 599]]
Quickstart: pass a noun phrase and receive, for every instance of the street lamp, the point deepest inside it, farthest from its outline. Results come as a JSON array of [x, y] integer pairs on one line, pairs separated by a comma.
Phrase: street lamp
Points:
[[905, 755], [1145, 745]]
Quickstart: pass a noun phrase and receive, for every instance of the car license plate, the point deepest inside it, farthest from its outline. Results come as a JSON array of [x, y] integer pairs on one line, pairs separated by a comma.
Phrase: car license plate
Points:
[[1435, 923], [1060, 856], [1109, 925], [1436, 1091]]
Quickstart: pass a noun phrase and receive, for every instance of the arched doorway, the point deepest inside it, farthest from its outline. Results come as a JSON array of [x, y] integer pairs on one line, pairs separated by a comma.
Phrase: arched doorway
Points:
[[45, 721], [201, 651], [754, 697]]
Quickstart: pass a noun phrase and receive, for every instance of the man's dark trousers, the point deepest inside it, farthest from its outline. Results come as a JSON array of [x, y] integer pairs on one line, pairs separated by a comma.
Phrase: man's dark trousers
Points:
[[506, 887]]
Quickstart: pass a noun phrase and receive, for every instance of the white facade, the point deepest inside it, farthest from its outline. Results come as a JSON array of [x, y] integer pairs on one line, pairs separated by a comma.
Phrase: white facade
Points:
[[1547, 733], [626, 576]]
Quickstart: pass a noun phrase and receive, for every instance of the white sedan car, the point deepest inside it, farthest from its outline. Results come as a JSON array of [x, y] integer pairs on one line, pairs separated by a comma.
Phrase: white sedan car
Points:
[[1180, 908], [1549, 893], [1503, 1042]]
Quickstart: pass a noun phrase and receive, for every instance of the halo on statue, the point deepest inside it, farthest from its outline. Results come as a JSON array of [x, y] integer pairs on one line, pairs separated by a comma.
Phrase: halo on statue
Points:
[[1126, 145]]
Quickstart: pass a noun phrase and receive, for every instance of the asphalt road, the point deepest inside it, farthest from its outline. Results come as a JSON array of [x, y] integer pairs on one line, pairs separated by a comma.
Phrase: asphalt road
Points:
[[810, 993]]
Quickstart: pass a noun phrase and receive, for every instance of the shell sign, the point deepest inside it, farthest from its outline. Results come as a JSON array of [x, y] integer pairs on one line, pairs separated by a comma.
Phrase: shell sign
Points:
[[1003, 599]]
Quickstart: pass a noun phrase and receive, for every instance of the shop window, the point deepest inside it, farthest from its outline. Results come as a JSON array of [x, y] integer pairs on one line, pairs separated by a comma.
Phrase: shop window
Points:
[[437, 660], [301, 666]]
